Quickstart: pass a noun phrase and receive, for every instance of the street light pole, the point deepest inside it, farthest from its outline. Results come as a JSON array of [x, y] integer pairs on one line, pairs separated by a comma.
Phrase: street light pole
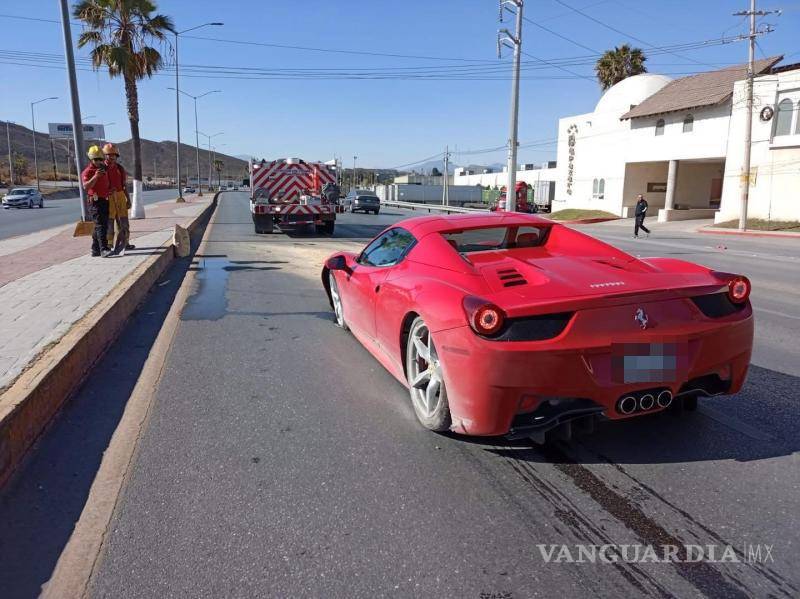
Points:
[[178, 105], [33, 132], [197, 132], [353, 185], [210, 166], [515, 42]]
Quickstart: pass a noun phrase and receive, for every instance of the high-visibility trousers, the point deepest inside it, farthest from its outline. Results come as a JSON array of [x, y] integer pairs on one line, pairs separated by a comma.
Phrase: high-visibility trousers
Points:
[[117, 215]]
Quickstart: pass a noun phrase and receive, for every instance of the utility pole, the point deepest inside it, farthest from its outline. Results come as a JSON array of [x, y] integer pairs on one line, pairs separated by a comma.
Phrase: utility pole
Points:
[[748, 132], [445, 189], [353, 186], [53, 156], [513, 41], [77, 125], [10, 159]]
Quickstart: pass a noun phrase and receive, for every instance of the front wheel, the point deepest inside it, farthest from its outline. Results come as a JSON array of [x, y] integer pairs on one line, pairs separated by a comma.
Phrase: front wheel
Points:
[[336, 300], [30, 204], [426, 379]]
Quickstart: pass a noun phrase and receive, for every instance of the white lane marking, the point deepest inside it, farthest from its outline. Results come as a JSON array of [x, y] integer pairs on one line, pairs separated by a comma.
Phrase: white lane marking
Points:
[[735, 424]]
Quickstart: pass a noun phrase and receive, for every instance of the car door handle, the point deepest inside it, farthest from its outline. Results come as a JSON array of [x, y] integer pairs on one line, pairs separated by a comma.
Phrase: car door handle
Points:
[[377, 288]]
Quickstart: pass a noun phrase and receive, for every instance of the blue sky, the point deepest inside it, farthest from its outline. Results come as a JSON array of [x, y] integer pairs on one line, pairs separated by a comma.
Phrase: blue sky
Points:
[[386, 122]]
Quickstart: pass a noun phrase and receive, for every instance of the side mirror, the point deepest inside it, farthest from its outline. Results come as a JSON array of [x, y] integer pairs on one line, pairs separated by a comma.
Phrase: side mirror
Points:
[[336, 263]]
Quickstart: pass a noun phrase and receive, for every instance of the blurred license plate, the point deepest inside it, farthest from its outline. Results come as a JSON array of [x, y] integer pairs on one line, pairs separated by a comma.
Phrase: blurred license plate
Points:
[[647, 362]]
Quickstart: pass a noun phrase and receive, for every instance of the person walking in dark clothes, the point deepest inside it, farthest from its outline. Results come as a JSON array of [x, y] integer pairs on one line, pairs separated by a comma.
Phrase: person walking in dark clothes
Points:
[[95, 182], [639, 214]]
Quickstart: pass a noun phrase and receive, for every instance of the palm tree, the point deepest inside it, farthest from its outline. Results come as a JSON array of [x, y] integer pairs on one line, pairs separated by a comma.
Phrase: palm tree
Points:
[[618, 64], [121, 32]]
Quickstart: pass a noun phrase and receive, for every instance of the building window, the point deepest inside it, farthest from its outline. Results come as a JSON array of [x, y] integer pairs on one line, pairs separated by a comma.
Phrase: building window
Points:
[[598, 189], [660, 127], [688, 124], [783, 121]]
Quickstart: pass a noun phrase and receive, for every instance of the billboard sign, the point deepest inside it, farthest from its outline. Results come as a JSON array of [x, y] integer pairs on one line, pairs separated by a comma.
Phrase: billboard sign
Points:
[[64, 131]]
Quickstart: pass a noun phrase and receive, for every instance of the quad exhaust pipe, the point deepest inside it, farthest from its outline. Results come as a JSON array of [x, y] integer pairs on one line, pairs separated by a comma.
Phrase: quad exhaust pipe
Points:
[[664, 398], [627, 405], [644, 401]]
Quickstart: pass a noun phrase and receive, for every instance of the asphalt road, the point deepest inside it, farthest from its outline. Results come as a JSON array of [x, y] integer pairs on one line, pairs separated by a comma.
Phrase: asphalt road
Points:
[[20, 221], [281, 460]]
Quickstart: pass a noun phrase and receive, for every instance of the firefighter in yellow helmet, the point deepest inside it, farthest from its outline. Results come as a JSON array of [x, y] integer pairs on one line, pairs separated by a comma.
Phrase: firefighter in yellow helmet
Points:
[[95, 182], [118, 202]]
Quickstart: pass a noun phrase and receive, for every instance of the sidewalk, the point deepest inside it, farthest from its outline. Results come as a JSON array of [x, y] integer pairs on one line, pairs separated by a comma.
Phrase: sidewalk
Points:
[[48, 280]]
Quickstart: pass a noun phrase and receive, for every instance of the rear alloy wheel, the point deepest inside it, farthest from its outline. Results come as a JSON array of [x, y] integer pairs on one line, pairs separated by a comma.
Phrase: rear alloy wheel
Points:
[[336, 300], [426, 379]]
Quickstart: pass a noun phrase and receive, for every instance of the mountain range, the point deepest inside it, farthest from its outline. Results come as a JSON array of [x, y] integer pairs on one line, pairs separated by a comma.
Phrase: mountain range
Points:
[[158, 157]]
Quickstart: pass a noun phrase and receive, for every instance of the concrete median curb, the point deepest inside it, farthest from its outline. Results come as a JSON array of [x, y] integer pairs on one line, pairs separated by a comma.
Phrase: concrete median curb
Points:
[[76, 565], [29, 404]]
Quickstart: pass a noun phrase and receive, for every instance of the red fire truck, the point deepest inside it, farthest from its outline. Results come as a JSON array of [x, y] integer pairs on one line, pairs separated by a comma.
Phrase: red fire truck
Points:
[[288, 192], [521, 189]]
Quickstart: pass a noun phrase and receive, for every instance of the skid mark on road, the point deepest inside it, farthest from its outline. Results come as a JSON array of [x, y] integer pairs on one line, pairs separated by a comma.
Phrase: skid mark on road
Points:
[[622, 500]]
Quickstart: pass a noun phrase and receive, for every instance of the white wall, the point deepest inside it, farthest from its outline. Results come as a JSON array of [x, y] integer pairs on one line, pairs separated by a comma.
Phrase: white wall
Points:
[[775, 191], [599, 148], [693, 188], [708, 139], [637, 176], [500, 179]]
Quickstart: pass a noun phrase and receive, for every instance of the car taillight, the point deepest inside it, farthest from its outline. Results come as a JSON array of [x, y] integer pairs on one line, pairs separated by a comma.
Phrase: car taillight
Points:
[[484, 317], [739, 289]]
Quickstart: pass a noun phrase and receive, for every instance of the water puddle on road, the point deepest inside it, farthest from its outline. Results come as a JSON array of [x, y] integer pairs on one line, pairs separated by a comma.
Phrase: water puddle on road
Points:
[[209, 300]]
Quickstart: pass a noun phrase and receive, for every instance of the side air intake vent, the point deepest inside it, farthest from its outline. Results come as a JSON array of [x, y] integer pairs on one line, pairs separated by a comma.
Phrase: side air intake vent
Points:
[[511, 277]]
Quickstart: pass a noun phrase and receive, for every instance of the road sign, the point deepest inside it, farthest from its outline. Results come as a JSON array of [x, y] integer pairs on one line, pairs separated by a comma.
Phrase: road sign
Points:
[[64, 131]]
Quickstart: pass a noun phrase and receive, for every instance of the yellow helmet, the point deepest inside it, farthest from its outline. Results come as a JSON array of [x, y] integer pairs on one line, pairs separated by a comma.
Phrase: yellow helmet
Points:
[[94, 152]]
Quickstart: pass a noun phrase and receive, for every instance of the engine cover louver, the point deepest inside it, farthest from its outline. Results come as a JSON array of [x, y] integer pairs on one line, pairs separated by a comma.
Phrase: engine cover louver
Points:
[[511, 277]]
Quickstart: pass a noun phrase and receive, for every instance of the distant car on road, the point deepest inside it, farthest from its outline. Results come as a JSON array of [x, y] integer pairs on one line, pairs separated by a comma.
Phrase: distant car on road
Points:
[[360, 200], [189, 189], [23, 197]]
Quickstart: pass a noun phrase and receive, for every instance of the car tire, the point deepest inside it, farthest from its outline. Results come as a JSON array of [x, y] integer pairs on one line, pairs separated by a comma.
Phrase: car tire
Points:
[[30, 204], [336, 300], [41, 203], [426, 379], [376, 212]]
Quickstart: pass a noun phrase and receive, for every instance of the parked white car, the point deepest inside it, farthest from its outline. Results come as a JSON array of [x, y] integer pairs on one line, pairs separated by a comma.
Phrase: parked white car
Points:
[[23, 197]]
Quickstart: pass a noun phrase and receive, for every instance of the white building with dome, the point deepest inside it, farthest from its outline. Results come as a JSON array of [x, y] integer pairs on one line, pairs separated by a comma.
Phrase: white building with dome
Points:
[[679, 143]]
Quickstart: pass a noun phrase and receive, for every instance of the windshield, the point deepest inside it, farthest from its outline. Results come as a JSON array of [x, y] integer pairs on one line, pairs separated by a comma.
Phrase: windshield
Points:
[[496, 238], [20, 192]]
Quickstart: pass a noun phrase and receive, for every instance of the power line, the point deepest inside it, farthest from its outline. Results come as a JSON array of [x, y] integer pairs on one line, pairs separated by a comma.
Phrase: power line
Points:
[[607, 26], [555, 33]]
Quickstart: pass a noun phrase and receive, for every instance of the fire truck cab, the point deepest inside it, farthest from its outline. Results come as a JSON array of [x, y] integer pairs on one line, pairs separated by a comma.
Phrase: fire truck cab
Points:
[[521, 189], [288, 193]]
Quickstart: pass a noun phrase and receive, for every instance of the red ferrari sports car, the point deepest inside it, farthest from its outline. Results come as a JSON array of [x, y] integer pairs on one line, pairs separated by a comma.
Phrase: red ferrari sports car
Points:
[[511, 324]]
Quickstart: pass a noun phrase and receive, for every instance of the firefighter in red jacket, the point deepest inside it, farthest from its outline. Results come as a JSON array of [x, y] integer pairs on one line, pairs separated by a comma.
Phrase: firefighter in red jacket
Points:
[[118, 202], [95, 182]]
